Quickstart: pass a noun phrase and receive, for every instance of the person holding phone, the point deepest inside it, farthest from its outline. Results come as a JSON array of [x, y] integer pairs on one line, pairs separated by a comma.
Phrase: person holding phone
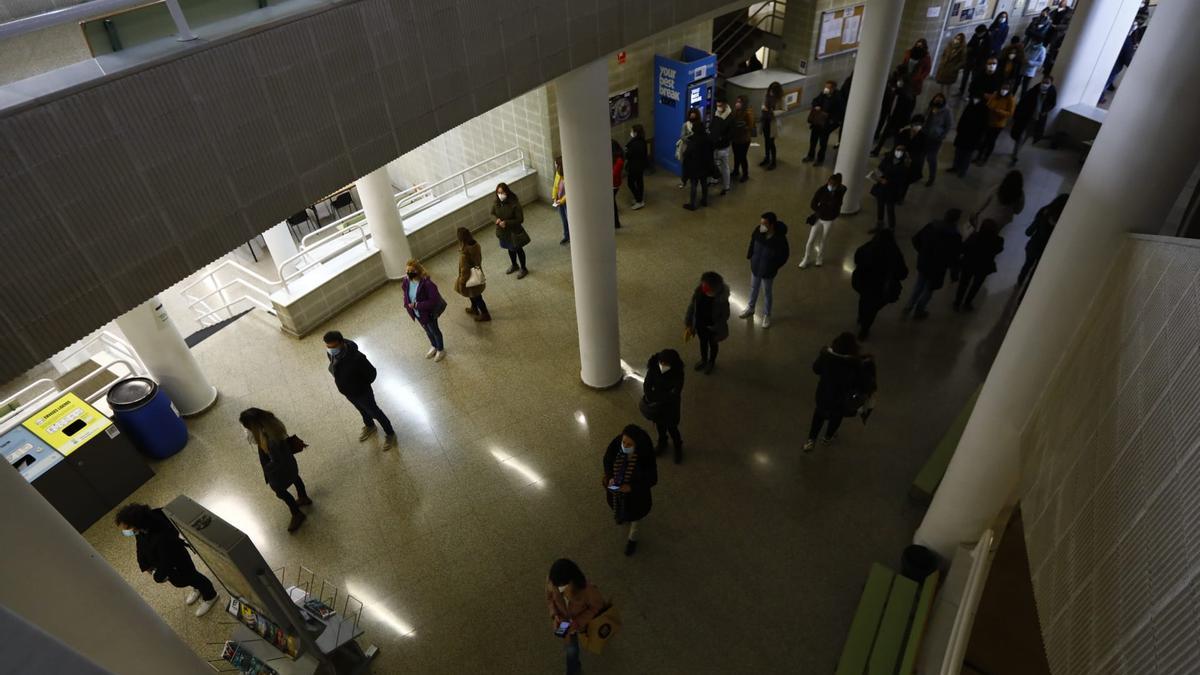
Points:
[[573, 603], [630, 471]]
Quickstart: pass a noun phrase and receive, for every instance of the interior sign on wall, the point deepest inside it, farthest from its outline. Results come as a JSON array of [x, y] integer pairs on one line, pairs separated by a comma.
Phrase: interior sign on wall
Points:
[[667, 93]]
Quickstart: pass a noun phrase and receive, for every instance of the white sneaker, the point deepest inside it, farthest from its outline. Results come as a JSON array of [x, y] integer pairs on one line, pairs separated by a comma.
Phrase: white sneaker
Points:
[[803, 265], [746, 313], [766, 322], [638, 205], [439, 356], [818, 262], [192, 597], [206, 605], [431, 353]]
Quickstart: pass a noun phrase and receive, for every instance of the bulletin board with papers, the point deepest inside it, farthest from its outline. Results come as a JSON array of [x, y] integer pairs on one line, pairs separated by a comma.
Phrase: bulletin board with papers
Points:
[[963, 12], [839, 31]]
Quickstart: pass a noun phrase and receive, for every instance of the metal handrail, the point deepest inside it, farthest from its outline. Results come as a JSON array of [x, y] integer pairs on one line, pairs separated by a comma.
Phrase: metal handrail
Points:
[[359, 229], [210, 278], [121, 347], [86, 11], [964, 618], [52, 387], [751, 22]]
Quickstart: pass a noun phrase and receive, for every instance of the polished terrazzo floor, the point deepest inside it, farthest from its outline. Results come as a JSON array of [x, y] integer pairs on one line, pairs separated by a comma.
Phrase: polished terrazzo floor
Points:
[[754, 554]]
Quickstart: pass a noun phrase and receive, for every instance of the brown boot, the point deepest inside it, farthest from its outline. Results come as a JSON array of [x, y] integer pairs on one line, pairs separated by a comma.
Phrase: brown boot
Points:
[[486, 316], [469, 310], [298, 519]]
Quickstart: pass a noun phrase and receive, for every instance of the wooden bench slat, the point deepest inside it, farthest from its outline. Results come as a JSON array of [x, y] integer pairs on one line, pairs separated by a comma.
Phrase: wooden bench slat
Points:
[[867, 616]]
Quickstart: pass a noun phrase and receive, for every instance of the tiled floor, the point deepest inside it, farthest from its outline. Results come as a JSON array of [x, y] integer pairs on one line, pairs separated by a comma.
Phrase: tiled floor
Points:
[[754, 554]]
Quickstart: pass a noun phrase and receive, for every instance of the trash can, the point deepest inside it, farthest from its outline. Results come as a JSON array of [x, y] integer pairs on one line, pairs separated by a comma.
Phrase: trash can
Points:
[[143, 411], [918, 562]]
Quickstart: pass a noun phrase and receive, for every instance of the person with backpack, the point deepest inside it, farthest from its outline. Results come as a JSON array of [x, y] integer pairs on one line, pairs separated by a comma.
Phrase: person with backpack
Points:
[[697, 164], [424, 305], [938, 245], [630, 471], [878, 270], [162, 553], [662, 396], [353, 374], [845, 383], [267, 434]]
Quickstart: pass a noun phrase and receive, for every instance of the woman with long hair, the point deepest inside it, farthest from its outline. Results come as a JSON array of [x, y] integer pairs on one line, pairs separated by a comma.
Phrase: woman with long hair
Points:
[[707, 318], [573, 603], [424, 305], [266, 433], [470, 257], [772, 104], [510, 228], [1003, 204]]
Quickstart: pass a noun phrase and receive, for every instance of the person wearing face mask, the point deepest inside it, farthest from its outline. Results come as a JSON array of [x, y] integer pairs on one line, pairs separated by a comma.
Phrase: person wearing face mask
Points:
[[827, 206], [988, 79], [769, 121], [662, 393], [636, 155], [938, 245], [916, 64], [845, 379], [1035, 56], [707, 318], [938, 121], [697, 165], [998, 32], [630, 471], [571, 600], [823, 118], [470, 257], [509, 219], [1039, 232], [690, 124], [953, 60], [972, 126], [978, 49], [767, 253], [743, 129], [1012, 61], [720, 131], [269, 437], [424, 305], [1001, 106], [1034, 108], [912, 137], [353, 374], [161, 553], [890, 179]]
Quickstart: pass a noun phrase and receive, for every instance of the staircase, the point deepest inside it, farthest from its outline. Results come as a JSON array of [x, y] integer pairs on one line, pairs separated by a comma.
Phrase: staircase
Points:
[[738, 35]]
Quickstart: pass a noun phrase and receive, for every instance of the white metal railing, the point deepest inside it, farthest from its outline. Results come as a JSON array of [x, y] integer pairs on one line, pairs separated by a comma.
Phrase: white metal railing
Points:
[[964, 618], [111, 343], [235, 292], [46, 386], [89, 10], [332, 247]]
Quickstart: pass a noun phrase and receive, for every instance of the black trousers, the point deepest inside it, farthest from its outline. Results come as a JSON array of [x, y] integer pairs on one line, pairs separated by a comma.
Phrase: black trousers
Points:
[[709, 347], [616, 212], [818, 136], [517, 257], [868, 309], [192, 578], [969, 283], [819, 419], [740, 164], [886, 206], [479, 305], [665, 429], [989, 142], [637, 185], [287, 496], [769, 147]]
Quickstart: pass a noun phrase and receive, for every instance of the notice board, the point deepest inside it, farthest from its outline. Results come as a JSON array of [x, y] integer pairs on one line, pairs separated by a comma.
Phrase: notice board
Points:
[[963, 12], [839, 30]]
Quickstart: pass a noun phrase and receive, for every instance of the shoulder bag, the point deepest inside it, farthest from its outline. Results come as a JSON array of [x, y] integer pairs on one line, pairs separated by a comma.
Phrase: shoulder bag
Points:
[[476, 278], [296, 444]]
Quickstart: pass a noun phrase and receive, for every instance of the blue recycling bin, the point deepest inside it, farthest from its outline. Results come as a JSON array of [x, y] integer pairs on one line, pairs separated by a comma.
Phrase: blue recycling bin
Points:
[[144, 411]]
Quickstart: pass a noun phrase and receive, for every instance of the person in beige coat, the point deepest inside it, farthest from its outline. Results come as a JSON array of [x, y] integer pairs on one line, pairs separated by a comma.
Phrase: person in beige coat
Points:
[[574, 602], [470, 256]]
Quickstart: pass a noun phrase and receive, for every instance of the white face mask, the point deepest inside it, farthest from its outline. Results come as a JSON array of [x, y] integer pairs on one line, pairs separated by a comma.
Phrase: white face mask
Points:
[[633, 134], [129, 533], [501, 196], [899, 154], [827, 90], [562, 589], [991, 68], [831, 188], [662, 367], [626, 450], [762, 228], [1004, 92]]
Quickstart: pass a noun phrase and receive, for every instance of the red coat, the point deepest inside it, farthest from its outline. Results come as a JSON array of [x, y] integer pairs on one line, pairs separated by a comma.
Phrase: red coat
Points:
[[618, 164], [916, 78]]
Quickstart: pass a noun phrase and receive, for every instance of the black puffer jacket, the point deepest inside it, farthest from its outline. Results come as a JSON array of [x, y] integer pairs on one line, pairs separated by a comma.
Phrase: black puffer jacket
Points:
[[635, 504], [352, 371], [161, 551], [698, 155], [840, 375], [664, 389]]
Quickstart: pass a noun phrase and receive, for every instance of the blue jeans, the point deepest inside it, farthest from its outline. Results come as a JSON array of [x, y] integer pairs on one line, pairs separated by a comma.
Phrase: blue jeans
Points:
[[921, 294], [369, 409], [562, 213], [755, 282], [435, 335], [573, 663]]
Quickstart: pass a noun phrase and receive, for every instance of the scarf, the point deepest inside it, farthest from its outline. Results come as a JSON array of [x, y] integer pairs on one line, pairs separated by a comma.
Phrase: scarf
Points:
[[623, 467]]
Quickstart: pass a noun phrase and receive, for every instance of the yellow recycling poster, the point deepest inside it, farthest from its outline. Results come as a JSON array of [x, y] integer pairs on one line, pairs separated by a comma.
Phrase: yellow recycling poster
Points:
[[67, 423]]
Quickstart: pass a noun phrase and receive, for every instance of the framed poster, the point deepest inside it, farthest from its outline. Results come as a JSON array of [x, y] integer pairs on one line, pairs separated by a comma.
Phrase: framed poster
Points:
[[839, 31], [623, 107], [963, 12]]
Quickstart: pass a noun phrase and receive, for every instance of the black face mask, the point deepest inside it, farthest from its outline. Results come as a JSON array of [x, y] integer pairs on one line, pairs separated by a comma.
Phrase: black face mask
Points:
[[413, 275]]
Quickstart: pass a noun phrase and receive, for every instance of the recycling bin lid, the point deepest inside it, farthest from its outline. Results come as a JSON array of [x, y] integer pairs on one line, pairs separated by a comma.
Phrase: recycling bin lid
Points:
[[131, 393]]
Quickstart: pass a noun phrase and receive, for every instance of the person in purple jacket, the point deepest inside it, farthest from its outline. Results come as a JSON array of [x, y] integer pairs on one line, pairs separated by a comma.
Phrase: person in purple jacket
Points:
[[424, 305]]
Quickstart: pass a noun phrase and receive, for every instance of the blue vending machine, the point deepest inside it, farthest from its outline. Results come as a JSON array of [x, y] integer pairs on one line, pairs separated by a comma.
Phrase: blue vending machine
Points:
[[681, 84]]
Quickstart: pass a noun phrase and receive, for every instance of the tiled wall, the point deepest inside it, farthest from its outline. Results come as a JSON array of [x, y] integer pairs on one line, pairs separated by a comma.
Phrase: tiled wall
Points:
[[440, 233], [305, 313], [1111, 474]]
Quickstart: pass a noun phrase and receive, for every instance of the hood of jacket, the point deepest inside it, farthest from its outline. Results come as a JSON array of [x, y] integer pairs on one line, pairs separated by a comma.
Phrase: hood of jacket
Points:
[[348, 348], [728, 112]]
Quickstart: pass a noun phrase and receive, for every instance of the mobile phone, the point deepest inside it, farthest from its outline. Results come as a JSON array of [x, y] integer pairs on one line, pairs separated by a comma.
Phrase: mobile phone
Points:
[[562, 629]]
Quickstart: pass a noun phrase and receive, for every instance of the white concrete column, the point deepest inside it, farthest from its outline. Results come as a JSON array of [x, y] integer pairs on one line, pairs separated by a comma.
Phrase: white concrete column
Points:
[[584, 130], [1140, 162], [280, 243], [387, 230], [51, 577], [877, 41], [154, 337], [1089, 52]]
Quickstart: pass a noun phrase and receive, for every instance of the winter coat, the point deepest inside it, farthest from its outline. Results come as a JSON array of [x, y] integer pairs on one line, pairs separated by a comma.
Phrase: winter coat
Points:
[[720, 130], [896, 172], [743, 126], [1035, 56], [899, 112], [979, 252], [826, 203], [983, 82], [1040, 28], [840, 375], [1039, 232], [352, 371], [423, 310], [978, 49], [993, 209], [636, 156], [279, 467], [1034, 106], [719, 326], [768, 253], [581, 607], [1000, 109], [636, 504], [1012, 63], [513, 215], [937, 124], [916, 72], [953, 60], [698, 156], [997, 36], [665, 390], [938, 246], [618, 164], [468, 256], [879, 268], [972, 124], [831, 105], [162, 552]]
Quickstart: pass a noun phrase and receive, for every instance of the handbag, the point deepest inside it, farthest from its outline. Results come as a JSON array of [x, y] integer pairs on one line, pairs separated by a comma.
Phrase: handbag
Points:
[[679, 150], [818, 118], [296, 444], [812, 219], [475, 278], [651, 410], [520, 239], [440, 309], [601, 629]]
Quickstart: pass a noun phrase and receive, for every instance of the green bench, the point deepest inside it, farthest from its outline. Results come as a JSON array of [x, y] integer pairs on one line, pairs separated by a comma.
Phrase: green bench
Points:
[[930, 476], [888, 625]]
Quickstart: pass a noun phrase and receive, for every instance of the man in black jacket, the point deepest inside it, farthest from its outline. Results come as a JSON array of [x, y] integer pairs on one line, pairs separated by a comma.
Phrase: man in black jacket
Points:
[[720, 132], [162, 553], [938, 246], [1033, 108], [353, 375]]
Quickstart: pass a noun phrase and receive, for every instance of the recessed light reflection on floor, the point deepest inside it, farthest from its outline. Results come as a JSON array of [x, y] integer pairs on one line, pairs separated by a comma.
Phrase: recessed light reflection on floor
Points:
[[762, 459], [848, 265], [581, 419], [233, 509], [736, 304], [380, 612], [508, 461]]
